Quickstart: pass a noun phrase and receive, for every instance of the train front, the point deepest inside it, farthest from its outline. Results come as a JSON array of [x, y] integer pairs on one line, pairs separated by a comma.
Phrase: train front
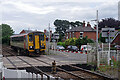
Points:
[[36, 42]]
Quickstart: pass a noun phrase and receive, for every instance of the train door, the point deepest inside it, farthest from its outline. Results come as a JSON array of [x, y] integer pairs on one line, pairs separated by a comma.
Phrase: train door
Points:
[[37, 42]]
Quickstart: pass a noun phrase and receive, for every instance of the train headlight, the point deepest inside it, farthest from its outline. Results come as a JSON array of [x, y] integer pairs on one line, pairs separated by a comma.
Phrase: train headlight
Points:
[[30, 46]]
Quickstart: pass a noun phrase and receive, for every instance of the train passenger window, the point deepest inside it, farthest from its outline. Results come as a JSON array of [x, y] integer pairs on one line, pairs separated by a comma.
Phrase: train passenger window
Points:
[[30, 37]]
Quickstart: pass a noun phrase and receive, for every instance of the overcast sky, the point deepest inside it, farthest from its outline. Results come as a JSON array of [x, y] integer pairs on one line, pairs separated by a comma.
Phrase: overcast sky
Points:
[[37, 14]]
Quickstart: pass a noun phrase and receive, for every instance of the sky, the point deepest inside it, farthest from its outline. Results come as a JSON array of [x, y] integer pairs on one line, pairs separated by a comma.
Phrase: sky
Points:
[[37, 14]]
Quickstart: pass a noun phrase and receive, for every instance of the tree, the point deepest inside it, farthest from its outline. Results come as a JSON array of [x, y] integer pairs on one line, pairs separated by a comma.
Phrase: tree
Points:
[[109, 22], [101, 39], [7, 31], [78, 42], [63, 25]]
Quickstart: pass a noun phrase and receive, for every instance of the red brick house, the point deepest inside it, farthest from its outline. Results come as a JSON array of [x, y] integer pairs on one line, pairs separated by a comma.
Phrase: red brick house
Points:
[[82, 31], [116, 39], [25, 31]]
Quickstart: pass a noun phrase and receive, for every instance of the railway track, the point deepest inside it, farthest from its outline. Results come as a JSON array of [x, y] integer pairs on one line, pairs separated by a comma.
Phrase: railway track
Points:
[[38, 71], [81, 74], [83, 70], [64, 71], [84, 74]]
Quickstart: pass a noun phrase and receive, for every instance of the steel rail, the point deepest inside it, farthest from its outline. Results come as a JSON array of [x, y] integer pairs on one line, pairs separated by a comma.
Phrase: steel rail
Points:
[[88, 71], [81, 78], [11, 62], [48, 77]]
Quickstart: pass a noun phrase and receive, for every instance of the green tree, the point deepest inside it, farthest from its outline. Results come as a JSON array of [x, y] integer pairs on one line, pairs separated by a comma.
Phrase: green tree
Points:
[[72, 41], [63, 25], [101, 39], [109, 22], [7, 31], [78, 43]]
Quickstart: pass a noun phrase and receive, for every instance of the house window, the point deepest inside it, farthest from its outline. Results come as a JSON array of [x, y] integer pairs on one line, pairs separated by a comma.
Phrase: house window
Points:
[[73, 34], [81, 35], [67, 35], [70, 34]]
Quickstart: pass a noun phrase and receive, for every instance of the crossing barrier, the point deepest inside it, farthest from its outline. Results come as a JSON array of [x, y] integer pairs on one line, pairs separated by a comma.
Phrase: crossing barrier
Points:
[[73, 52]]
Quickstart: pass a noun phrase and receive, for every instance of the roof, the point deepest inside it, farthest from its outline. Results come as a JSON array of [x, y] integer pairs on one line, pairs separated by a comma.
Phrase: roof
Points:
[[81, 29], [116, 36], [25, 33]]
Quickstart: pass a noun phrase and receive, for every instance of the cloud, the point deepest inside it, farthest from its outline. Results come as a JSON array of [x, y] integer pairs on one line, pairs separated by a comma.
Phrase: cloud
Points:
[[30, 8], [35, 14]]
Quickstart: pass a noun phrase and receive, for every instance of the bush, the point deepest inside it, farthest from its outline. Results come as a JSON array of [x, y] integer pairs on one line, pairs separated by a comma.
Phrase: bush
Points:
[[59, 43], [76, 42], [62, 44]]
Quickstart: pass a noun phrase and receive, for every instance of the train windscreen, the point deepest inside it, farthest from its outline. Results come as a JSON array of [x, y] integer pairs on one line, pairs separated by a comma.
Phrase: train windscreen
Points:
[[42, 37], [30, 37]]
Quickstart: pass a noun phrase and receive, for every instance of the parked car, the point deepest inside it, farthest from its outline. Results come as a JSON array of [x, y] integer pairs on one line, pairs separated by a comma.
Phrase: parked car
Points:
[[86, 47], [72, 48], [60, 47], [117, 47]]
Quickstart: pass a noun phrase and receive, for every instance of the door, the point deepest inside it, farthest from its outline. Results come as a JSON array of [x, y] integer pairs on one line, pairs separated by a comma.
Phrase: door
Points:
[[37, 45]]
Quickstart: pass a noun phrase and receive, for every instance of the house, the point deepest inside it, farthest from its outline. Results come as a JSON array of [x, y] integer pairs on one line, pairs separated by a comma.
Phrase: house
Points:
[[25, 31], [81, 31], [116, 39]]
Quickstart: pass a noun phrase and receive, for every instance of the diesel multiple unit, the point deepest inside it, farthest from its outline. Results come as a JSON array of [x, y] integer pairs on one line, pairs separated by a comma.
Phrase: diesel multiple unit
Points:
[[32, 42]]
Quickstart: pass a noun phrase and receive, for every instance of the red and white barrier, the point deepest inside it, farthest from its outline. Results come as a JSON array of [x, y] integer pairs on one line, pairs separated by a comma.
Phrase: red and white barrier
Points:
[[73, 52]]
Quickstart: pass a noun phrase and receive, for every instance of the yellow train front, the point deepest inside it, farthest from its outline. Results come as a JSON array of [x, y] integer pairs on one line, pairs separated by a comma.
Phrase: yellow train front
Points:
[[29, 43]]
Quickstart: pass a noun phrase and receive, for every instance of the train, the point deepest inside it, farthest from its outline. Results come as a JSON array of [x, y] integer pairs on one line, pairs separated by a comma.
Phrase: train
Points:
[[29, 43]]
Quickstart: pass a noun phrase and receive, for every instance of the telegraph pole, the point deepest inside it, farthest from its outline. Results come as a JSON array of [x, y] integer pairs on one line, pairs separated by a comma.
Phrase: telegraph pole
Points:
[[97, 54], [49, 39]]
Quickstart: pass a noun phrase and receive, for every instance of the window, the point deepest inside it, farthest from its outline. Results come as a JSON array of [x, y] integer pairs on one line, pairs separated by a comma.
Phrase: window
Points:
[[18, 39], [70, 34], [81, 35], [67, 35], [73, 34], [30, 37], [42, 37]]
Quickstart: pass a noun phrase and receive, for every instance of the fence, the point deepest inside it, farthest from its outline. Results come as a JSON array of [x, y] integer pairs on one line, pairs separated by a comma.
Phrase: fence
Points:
[[104, 56]]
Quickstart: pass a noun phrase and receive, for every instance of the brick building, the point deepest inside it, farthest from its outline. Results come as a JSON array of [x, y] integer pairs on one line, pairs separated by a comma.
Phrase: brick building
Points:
[[82, 31], [25, 31]]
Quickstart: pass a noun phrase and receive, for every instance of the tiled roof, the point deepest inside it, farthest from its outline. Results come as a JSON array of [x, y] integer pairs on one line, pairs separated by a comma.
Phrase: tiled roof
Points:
[[82, 29], [27, 31]]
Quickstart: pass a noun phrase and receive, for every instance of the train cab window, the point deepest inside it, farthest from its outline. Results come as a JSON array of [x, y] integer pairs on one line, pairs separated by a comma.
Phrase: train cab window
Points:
[[42, 37], [30, 37]]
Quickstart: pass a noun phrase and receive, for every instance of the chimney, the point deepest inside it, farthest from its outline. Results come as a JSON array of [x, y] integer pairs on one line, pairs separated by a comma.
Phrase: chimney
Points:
[[44, 30], [95, 26], [50, 32], [88, 24], [83, 23]]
